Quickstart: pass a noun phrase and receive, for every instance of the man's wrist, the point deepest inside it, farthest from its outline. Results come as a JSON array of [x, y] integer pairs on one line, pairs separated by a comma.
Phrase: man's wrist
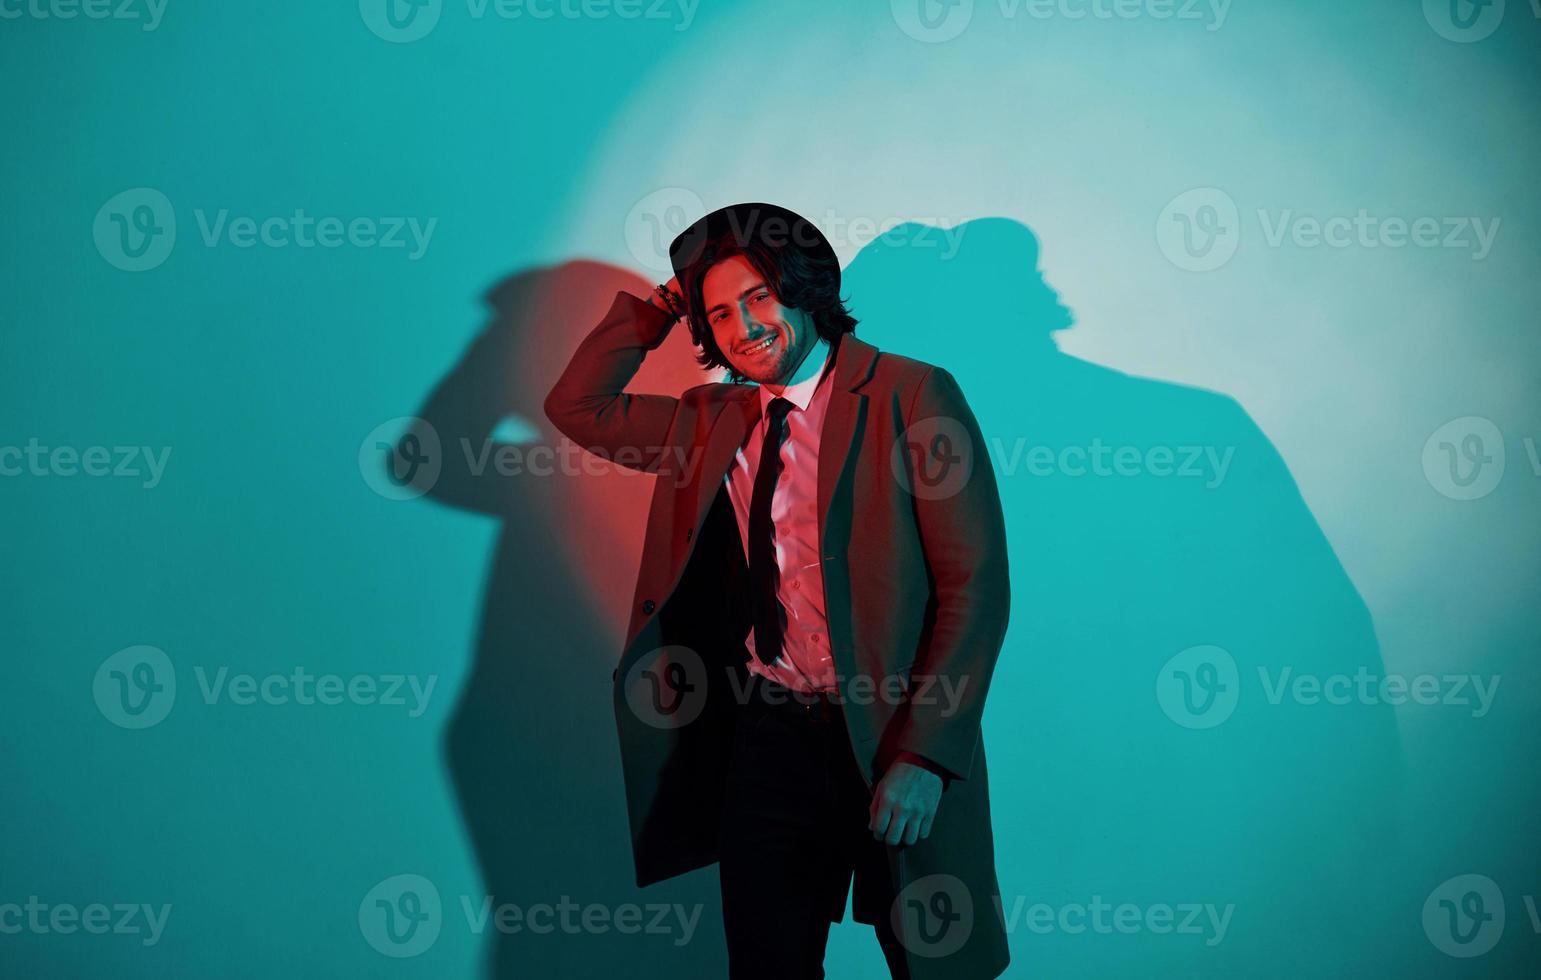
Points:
[[926, 764], [663, 300]]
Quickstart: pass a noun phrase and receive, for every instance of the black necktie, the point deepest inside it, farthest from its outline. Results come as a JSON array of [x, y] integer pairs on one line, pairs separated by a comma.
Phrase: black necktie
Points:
[[763, 572]]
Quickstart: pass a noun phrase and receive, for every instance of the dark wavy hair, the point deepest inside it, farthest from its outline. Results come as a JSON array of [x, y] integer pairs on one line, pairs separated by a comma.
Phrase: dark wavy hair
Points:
[[798, 277]]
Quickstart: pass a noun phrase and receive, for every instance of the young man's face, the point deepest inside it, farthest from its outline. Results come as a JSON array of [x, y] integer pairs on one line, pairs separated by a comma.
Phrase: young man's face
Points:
[[763, 340]]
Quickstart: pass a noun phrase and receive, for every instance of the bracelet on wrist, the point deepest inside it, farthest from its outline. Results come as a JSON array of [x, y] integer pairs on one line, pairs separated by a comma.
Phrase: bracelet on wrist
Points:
[[666, 301]]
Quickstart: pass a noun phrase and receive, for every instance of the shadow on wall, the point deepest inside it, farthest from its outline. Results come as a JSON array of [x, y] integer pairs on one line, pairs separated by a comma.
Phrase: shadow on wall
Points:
[[531, 744], [1150, 521]]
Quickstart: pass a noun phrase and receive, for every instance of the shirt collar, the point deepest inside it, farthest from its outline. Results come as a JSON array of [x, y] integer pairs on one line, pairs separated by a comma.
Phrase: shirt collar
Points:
[[801, 393]]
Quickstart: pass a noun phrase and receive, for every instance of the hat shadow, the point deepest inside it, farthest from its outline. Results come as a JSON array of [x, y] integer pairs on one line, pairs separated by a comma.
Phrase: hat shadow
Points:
[[1117, 770]]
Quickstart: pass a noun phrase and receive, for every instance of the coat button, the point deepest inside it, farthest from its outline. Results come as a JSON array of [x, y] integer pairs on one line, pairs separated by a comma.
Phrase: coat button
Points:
[[648, 606]]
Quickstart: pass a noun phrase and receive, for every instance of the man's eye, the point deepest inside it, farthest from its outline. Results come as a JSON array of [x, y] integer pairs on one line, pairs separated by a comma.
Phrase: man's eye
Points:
[[760, 296]]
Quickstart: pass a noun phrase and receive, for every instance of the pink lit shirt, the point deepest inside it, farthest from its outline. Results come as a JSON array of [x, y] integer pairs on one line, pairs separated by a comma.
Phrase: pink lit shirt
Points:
[[805, 663]]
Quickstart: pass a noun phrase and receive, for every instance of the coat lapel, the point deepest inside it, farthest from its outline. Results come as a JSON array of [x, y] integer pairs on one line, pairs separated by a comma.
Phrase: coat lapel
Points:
[[853, 367], [733, 424]]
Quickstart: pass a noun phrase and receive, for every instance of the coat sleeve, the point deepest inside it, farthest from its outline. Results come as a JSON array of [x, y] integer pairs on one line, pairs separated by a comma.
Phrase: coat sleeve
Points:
[[589, 403], [963, 535]]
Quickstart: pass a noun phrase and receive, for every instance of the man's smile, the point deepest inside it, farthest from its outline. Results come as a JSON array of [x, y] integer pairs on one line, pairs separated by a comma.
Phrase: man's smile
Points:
[[758, 347]]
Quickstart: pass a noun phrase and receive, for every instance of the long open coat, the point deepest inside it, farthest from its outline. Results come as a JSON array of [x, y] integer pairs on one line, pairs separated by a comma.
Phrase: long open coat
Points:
[[916, 593]]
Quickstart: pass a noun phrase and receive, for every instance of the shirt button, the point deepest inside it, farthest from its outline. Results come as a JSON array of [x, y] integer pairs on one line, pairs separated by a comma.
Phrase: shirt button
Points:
[[816, 638], [797, 585]]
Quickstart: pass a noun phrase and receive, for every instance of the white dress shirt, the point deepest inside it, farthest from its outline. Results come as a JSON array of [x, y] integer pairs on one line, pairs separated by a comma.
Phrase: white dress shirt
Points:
[[805, 663]]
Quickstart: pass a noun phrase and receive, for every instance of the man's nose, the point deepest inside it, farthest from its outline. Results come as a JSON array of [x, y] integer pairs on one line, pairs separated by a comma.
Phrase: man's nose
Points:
[[753, 328]]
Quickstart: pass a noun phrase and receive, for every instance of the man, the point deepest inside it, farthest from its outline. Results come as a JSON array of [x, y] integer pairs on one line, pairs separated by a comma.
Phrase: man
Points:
[[822, 597]]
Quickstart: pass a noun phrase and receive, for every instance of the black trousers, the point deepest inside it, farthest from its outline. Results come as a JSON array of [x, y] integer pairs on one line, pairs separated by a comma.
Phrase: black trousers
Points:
[[794, 837]]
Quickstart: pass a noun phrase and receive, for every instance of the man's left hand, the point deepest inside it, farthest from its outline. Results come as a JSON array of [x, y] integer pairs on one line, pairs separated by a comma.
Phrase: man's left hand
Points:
[[904, 804]]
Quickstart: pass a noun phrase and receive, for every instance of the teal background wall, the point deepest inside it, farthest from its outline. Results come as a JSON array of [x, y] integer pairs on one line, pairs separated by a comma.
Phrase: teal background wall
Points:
[[270, 541]]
